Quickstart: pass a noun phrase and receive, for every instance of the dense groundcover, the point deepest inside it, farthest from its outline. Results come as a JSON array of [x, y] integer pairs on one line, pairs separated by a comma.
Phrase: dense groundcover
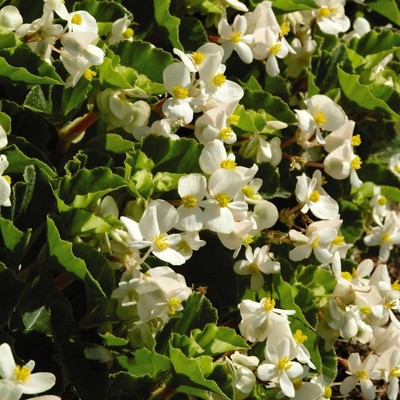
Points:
[[199, 199]]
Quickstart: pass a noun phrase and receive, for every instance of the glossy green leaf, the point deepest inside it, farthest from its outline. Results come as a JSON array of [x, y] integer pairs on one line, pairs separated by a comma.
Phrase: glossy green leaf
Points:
[[192, 33], [287, 6], [87, 186], [5, 122], [387, 8], [171, 23], [111, 143], [320, 280], [392, 193]]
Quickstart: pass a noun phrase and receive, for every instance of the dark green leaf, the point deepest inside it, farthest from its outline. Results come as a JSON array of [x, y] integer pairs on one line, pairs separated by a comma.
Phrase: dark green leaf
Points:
[[164, 18], [387, 8], [192, 33], [353, 222]]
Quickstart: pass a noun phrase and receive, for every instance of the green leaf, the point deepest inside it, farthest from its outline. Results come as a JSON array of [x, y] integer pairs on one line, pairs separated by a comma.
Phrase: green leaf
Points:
[[12, 236], [20, 161], [216, 340], [362, 94], [110, 340], [192, 33], [287, 6], [87, 186], [11, 290], [187, 375], [375, 42], [353, 223], [72, 98], [144, 58], [319, 280], [140, 184], [270, 177], [276, 107], [392, 193], [38, 320], [387, 8], [36, 101], [60, 252], [165, 181], [124, 386], [114, 75], [21, 65], [5, 122], [245, 123], [329, 366], [103, 11], [111, 143], [164, 18], [177, 156]]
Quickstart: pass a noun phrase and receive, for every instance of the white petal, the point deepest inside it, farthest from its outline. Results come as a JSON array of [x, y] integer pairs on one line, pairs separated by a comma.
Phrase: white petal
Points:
[[7, 363], [39, 382]]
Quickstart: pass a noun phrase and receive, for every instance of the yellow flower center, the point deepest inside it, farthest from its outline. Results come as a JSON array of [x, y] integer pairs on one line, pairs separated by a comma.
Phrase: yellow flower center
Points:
[[320, 118], [347, 275], [161, 242], [189, 201], [362, 374], [180, 92], [222, 199], [233, 119], [7, 178], [22, 373], [356, 163], [248, 240], [128, 33], [397, 169], [173, 304], [76, 19], [248, 191], [225, 133], [324, 12], [382, 200], [338, 241], [395, 372], [314, 196], [297, 383], [315, 243], [285, 28], [275, 48], [219, 80], [228, 164], [387, 238], [89, 74], [327, 392], [396, 285], [269, 304], [236, 37], [284, 363], [365, 310], [253, 267], [356, 140], [390, 304], [299, 337], [183, 246], [198, 57]]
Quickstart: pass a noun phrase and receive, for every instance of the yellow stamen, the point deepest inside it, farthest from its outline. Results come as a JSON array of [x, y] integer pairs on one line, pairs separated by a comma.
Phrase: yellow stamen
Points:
[[284, 363], [77, 19], [248, 191], [253, 267], [338, 241], [387, 238], [285, 28], [315, 196], [269, 304], [275, 49], [233, 119], [397, 169], [180, 92], [222, 199], [173, 304], [128, 33], [248, 240], [356, 140], [228, 164], [225, 133], [390, 304], [219, 80], [297, 383], [327, 392], [395, 372], [183, 246], [320, 118], [324, 12], [356, 163], [189, 201], [347, 275], [198, 57], [396, 285], [7, 178], [299, 337], [89, 74], [236, 37], [382, 200], [362, 375], [365, 310], [161, 242], [315, 243], [22, 373]]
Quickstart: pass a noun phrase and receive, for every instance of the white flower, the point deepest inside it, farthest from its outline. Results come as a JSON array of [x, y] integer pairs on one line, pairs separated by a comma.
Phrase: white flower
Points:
[[10, 18], [361, 372], [310, 193], [389, 364], [17, 380], [394, 164], [331, 16], [5, 187], [256, 264], [234, 38], [120, 30], [380, 205], [279, 368], [57, 6], [82, 21]]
